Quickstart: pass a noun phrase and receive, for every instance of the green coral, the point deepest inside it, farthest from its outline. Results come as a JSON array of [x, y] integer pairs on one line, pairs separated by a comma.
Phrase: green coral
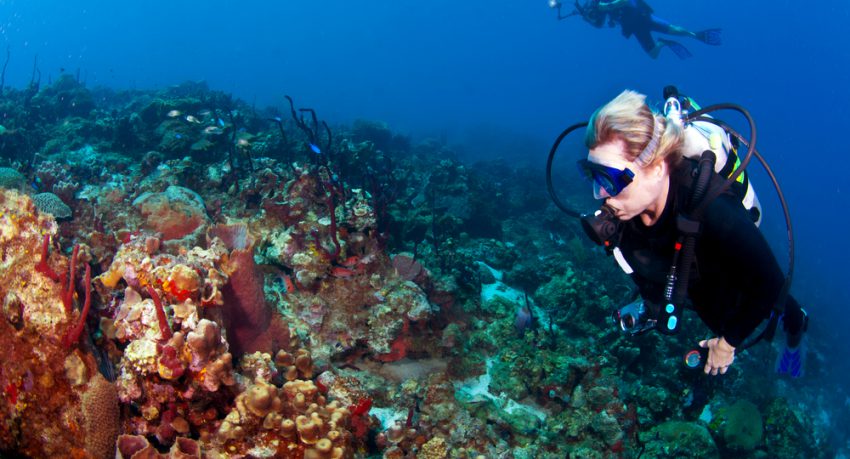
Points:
[[739, 426], [786, 433], [12, 179], [676, 439]]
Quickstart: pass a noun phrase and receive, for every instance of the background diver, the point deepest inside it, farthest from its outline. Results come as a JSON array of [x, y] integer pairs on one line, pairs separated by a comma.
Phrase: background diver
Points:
[[637, 164], [637, 18]]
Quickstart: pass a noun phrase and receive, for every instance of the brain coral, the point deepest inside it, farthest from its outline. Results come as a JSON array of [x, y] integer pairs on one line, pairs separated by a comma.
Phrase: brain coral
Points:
[[51, 204], [100, 408], [12, 179]]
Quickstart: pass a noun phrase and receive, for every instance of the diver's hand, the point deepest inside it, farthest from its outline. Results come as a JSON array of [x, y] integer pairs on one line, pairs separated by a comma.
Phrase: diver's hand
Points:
[[720, 355]]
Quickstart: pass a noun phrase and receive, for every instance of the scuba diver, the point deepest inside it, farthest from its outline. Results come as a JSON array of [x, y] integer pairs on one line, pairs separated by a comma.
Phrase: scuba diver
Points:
[[637, 18], [680, 217]]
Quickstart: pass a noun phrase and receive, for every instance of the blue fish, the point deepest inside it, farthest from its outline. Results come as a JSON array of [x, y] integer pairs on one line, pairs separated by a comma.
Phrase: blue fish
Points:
[[315, 149], [221, 122], [178, 136], [524, 320]]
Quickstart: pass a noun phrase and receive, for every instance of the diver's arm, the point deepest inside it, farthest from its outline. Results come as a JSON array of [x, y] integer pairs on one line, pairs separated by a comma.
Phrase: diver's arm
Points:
[[590, 13], [612, 5], [721, 354], [743, 250]]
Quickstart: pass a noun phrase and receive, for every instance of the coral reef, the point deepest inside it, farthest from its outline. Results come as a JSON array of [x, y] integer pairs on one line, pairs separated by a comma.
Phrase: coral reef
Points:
[[679, 439], [739, 426], [196, 277]]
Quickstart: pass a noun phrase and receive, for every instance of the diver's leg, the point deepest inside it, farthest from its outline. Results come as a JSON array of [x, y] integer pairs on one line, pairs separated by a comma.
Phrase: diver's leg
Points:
[[792, 358], [662, 26], [649, 45], [707, 36], [795, 321]]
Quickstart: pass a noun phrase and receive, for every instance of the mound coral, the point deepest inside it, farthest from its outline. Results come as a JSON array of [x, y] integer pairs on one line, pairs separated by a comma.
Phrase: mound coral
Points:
[[739, 425], [12, 179], [176, 213], [51, 204], [295, 421]]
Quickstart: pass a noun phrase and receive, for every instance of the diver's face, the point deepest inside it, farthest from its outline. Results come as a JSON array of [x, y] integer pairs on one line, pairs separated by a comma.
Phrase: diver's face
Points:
[[644, 196]]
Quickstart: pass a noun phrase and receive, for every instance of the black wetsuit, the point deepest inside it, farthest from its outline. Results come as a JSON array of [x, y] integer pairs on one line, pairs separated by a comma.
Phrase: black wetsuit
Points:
[[637, 19], [736, 279]]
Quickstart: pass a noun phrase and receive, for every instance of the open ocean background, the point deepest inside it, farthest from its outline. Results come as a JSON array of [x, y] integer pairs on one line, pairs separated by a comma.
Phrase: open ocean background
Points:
[[496, 79]]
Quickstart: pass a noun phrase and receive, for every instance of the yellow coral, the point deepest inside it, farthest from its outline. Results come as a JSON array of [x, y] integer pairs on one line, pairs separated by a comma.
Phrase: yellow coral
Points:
[[324, 449], [75, 369], [308, 429], [114, 274], [435, 448], [295, 417], [261, 399], [304, 363]]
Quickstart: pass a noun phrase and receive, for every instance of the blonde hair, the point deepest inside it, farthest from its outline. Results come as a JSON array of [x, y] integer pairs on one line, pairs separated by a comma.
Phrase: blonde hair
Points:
[[630, 119]]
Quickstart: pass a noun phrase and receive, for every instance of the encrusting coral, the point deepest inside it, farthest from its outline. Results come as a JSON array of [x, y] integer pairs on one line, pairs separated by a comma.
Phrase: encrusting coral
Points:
[[293, 421], [55, 403]]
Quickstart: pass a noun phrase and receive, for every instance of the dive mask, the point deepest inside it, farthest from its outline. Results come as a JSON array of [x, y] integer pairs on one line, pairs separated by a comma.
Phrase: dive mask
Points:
[[610, 179]]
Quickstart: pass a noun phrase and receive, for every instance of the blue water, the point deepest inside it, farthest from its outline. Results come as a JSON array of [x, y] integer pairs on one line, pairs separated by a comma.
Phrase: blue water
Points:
[[494, 78]]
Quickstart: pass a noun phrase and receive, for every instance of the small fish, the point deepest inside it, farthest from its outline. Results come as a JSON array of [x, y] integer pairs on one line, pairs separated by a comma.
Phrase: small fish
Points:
[[204, 113], [174, 113], [524, 320], [350, 261], [192, 119], [221, 122], [315, 149], [243, 143], [339, 271], [213, 130], [178, 136], [288, 284]]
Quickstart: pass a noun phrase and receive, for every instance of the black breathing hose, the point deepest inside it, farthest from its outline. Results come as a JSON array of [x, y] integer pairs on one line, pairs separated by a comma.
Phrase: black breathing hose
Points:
[[744, 162], [706, 167], [552, 194]]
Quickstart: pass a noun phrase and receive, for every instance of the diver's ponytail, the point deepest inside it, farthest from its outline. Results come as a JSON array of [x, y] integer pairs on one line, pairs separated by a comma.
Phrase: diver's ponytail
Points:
[[647, 135]]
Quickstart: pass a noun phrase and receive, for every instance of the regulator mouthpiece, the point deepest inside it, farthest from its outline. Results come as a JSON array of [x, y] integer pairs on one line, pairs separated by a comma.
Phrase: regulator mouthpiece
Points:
[[602, 226]]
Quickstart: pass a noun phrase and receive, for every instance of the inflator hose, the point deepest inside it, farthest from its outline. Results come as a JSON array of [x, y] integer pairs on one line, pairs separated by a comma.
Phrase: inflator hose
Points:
[[706, 167]]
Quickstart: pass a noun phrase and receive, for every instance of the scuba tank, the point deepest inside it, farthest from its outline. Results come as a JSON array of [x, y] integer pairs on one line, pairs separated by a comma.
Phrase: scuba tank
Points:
[[700, 136]]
